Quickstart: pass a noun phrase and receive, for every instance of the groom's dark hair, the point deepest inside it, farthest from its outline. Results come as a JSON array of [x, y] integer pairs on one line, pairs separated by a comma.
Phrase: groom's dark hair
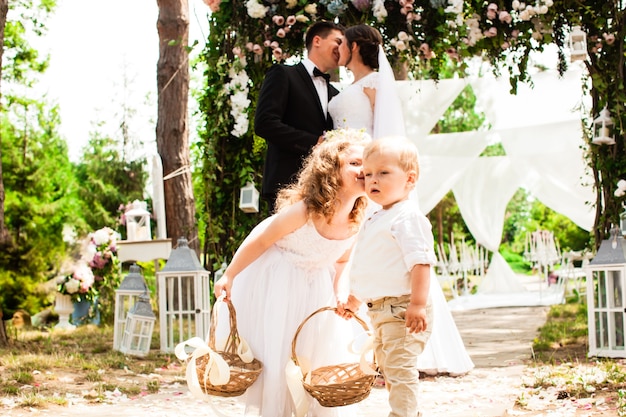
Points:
[[321, 29]]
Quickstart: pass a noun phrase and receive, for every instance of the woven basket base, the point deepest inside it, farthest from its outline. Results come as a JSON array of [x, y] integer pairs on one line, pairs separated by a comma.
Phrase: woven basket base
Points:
[[242, 376], [339, 385]]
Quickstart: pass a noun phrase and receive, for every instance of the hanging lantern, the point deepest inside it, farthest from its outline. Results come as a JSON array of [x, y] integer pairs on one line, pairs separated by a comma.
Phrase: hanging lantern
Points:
[[603, 129], [184, 298], [577, 44], [138, 328], [249, 199], [138, 221], [132, 287]]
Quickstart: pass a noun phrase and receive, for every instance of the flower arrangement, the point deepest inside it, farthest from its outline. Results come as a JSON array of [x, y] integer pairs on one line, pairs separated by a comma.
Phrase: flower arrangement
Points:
[[343, 134], [96, 275], [101, 253], [79, 285]]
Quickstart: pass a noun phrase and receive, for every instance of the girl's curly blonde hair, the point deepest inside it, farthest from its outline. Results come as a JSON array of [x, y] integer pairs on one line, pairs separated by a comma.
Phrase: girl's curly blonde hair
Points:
[[319, 181]]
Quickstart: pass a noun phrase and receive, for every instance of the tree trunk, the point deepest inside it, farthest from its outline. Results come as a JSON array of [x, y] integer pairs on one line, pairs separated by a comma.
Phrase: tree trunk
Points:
[[4, 339], [172, 125], [4, 234]]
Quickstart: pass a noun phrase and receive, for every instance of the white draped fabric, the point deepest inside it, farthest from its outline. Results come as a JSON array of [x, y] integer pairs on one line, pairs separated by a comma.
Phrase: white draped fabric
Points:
[[482, 194], [424, 102], [540, 130], [443, 159], [557, 175]]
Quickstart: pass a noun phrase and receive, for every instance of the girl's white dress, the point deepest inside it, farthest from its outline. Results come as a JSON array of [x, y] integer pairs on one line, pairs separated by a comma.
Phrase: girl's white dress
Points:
[[445, 351], [272, 297]]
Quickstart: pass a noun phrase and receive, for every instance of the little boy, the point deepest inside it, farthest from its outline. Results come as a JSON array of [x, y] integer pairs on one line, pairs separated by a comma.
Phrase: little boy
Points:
[[390, 269]]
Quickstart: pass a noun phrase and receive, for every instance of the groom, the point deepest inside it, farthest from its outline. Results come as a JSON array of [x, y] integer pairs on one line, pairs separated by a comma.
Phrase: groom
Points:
[[291, 113]]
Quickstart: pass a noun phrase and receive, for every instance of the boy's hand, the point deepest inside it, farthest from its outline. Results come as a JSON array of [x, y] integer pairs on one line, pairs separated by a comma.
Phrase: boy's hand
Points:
[[416, 318]]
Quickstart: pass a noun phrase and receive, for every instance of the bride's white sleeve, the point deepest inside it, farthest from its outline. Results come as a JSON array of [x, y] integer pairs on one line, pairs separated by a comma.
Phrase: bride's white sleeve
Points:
[[388, 118]]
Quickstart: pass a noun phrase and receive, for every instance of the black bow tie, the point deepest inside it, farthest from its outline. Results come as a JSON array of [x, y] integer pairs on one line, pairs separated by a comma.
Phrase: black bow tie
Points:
[[318, 73]]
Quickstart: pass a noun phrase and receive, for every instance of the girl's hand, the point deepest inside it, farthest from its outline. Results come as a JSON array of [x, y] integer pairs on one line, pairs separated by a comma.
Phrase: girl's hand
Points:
[[223, 285]]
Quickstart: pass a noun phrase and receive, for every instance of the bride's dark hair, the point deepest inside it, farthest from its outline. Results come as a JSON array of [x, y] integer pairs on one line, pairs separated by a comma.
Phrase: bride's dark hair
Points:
[[368, 39]]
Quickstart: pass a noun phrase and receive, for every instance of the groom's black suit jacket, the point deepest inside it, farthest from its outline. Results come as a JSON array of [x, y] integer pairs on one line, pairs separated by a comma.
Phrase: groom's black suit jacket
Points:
[[290, 118]]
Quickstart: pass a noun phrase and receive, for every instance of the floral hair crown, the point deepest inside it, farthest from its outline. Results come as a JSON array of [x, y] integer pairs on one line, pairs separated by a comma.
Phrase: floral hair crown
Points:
[[347, 134]]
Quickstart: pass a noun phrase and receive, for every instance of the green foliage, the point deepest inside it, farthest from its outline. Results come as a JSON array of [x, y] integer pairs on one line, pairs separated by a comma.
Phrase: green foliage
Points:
[[20, 60], [228, 162], [516, 261], [40, 200], [107, 181], [461, 116], [569, 236]]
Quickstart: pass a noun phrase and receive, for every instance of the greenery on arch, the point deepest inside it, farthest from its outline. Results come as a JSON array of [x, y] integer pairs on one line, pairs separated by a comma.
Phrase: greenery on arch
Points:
[[425, 37]]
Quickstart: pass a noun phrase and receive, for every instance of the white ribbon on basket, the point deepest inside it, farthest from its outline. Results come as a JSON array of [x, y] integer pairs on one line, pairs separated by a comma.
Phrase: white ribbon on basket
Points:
[[295, 375], [217, 370]]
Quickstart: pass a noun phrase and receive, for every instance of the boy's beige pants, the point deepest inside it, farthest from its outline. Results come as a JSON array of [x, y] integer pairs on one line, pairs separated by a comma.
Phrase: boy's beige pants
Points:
[[397, 350]]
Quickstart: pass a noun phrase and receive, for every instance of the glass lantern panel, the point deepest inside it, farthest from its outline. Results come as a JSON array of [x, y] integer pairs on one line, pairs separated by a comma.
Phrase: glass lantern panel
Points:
[[604, 329], [598, 330], [616, 287], [618, 318], [601, 297]]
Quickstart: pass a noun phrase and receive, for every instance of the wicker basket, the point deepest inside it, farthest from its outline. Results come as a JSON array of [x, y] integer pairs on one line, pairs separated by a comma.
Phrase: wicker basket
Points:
[[336, 385], [242, 374]]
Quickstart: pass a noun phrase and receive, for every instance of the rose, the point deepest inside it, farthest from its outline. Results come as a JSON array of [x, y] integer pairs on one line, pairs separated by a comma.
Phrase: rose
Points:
[[72, 285]]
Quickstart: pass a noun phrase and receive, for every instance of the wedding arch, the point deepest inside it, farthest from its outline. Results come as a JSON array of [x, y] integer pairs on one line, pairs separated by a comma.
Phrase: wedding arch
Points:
[[421, 37]]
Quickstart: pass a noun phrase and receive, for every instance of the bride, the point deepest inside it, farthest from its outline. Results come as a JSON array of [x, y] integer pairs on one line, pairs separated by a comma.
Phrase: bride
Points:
[[371, 102]]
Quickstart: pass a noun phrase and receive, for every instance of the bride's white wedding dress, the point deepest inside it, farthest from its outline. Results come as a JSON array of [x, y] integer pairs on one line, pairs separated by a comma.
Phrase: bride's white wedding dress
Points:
[[445, 351]]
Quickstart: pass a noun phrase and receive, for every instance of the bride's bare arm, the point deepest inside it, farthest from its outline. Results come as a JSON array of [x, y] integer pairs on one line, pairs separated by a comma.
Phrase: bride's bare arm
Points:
[[371, 95]]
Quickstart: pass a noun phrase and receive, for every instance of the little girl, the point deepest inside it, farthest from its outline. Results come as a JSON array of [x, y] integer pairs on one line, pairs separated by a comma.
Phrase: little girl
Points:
[[289, 266]]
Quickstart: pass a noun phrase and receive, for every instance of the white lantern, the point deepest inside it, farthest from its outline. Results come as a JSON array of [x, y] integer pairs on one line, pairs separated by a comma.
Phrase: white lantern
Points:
[[184, 298], [606, 299], [249, 199], [603, 129], [577, 44], [138, 221], [132, 287], [139, 327]]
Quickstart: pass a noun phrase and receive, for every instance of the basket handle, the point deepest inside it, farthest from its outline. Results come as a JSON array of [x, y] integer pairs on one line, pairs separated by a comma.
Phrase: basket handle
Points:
[[294, 357], [234, 343]]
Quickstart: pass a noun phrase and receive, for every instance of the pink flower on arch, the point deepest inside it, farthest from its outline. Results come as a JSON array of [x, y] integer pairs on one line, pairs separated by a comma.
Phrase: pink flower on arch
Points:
[[278, 53]]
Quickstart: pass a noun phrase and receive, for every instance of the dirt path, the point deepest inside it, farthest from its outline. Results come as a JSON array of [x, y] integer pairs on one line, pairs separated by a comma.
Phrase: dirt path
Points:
[[498, 340]]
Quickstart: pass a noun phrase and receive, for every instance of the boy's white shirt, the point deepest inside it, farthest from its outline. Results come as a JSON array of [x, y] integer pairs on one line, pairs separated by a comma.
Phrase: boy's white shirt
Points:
[[388, 245]]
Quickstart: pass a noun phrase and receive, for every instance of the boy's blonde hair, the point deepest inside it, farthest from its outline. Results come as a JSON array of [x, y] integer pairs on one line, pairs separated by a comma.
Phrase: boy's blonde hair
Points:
[[400, 147], [319, 181]]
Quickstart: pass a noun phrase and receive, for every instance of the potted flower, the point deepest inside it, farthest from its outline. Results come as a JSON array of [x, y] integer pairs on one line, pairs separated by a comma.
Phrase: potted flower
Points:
[[76, 294]]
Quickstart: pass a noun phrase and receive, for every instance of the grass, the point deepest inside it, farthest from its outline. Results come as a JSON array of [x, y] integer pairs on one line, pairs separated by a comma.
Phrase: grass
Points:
[[561, 366], [40, 369]]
